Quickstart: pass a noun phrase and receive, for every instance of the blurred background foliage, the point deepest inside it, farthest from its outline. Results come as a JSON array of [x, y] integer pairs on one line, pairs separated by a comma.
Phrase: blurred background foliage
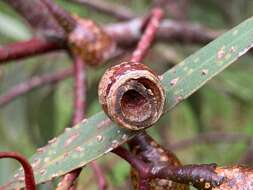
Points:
[[196, 130]]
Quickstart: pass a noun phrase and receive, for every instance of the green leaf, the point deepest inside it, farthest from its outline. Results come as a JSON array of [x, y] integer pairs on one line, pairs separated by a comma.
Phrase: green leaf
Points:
[[12, 28], [97, 136]]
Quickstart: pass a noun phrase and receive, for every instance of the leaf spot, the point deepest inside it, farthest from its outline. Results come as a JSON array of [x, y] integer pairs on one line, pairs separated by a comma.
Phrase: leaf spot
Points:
[[46, 159], [65, 155], [115, 143], [160, 77], [52, 141], [174, 81], [179, 98], [232, 49], [36, 163], [21, 178], [221, 54], [16, 175], [79, 149], [124, 137], [42, 172], [204, 71], [99, 138], [71, 139], [104, 123], [40, 150]]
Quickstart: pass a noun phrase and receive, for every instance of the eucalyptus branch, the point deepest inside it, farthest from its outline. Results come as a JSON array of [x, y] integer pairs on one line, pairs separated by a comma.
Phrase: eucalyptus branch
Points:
[[79, 105], [64, 19], [34, 46], [28, 171], [80, 91], [111, 9], [197, 175], [148, 36], [127, 33]]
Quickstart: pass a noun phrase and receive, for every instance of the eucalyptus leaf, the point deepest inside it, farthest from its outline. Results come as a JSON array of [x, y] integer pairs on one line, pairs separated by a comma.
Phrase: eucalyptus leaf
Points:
[[12, 28], [97, 136]]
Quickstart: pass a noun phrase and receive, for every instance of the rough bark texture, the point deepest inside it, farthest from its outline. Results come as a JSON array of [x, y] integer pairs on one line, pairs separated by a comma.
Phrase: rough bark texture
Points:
[[236, 178], [152, 153]]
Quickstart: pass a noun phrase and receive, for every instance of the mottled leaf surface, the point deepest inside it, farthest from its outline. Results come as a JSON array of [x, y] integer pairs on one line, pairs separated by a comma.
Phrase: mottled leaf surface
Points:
[[96, 136]]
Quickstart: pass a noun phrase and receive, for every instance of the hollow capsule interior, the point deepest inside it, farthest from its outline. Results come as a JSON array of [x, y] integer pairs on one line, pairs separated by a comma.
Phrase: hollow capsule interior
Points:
[[134, 99]]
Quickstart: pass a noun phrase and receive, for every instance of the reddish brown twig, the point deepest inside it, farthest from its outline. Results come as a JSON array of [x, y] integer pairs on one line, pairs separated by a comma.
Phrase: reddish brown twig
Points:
[[138, 164], [197, 175], [28, 48], [28, 171], [175, 9], [33, 83], [99, 175], [79, 106], [68, 180], [201, 176], [79, 90], [148, 36], [111, 9], [79, 113], [64, 19], [127, 33]]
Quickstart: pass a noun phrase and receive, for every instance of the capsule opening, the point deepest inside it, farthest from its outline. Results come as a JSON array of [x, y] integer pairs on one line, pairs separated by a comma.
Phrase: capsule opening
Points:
[[135, 106]]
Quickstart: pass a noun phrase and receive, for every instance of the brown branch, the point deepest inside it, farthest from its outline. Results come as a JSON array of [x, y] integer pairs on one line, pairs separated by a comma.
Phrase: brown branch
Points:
[[80, 89], [203, 176], [34, 46], [28, 171], [34, 82], [111, 9], [143, 168], [149, 151], [48, 15], [102, 185], [148, 36], [196, 175], [64, 19], [127, 33], [169, 30], [235, 178], [175, 9], [79, 104]]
